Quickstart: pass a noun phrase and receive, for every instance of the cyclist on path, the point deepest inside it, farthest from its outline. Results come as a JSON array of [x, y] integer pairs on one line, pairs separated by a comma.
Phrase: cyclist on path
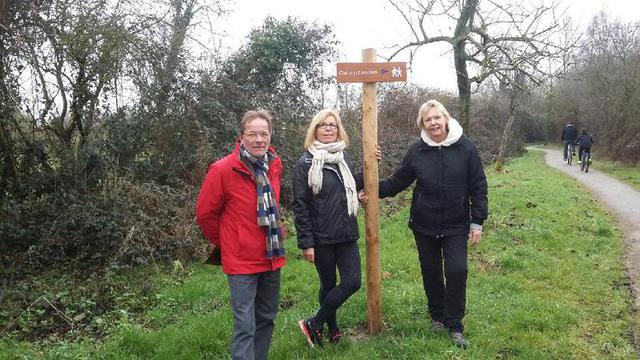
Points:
[[569, 135], [585, 141]]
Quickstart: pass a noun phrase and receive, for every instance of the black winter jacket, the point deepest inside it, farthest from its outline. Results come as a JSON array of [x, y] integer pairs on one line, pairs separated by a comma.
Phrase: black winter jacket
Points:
[[569, 133], [322, 219], [585, 141], [451, 188]]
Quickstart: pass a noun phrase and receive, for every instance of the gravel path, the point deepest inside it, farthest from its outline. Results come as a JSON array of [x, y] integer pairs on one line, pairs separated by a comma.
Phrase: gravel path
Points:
[[622, 200]]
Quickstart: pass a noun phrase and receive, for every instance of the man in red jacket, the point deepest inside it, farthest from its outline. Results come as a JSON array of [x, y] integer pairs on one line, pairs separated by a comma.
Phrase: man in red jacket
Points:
[[237, 211]]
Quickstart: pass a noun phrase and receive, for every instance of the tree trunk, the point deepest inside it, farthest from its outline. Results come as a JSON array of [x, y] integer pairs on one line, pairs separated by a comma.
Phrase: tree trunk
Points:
[[181, 22], [460, 61], [464, 87], [505, 134], [80, 96]]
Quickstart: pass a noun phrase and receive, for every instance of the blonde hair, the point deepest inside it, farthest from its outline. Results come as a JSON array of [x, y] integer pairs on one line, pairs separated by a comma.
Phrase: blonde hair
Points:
[[431, 104], [317, 119], [252, 115]]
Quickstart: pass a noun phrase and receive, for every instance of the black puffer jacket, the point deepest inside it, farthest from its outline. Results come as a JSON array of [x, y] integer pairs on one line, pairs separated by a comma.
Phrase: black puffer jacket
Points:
[[569, 133], [585, 141], [322, 219], [451, 188]]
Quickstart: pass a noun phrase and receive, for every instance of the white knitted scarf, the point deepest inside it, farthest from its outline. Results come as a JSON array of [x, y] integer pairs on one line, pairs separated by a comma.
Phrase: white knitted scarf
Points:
[[331, 153], [455, 133]]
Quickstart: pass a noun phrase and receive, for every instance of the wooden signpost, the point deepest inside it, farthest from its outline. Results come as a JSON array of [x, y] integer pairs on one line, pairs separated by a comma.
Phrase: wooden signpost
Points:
[[369, 73]]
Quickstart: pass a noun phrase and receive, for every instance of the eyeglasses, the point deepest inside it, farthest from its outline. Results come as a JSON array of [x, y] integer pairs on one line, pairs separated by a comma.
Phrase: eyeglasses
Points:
[[329, 126], [254, 136]]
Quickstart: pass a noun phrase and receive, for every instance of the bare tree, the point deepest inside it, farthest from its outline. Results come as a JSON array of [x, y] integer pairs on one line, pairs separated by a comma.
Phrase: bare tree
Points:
[[490, 39], [601, 92], [72, 50], [515, 91], [182, 14]]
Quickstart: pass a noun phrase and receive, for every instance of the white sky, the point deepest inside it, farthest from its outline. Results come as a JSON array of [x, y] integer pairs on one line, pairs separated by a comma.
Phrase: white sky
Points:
[[361, 24]]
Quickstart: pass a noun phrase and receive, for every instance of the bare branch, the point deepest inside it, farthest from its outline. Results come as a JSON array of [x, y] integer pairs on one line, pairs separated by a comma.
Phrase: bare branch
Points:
[[496, 38], [405, 17], [420, 43]]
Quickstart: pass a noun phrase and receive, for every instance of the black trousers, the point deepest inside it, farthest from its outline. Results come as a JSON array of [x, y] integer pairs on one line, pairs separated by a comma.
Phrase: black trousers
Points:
[[566, 147], [588, 150], [443, 261], [346, 258]]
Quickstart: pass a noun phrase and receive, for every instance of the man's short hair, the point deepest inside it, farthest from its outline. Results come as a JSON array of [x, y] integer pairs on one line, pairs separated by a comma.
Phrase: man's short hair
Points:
[[255, 114]]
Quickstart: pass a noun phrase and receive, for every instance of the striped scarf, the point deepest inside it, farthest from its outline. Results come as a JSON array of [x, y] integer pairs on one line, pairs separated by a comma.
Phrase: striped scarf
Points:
[[268, 215]]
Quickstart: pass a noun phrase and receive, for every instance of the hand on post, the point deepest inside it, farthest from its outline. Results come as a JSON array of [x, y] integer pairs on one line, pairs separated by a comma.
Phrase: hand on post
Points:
[[362, 198]]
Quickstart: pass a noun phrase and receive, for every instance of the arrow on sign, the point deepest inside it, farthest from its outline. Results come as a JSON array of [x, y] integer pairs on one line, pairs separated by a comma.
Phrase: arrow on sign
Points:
[[383, 71]]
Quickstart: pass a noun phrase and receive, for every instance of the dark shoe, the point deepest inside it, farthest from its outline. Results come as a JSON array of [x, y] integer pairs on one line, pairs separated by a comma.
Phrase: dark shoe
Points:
[[437, 326], [314, 336], [335, 336], [458, 339]]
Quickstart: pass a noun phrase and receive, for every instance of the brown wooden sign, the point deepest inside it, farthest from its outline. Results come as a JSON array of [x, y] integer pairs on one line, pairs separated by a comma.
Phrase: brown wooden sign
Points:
[[368, 72]]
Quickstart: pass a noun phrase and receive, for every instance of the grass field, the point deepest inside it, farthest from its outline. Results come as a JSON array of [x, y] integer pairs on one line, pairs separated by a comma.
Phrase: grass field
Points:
[[546, 282]]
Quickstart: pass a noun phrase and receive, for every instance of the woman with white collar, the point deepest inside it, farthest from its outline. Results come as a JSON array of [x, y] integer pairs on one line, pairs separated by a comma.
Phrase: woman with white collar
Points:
[[448, 208]]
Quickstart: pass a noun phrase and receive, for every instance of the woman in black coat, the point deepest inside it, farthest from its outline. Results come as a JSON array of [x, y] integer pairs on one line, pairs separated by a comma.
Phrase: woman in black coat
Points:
[[448, 208], [325, 207]]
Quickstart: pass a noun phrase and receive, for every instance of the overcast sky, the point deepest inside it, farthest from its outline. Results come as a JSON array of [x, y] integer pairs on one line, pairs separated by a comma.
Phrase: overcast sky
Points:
[[360, 24]]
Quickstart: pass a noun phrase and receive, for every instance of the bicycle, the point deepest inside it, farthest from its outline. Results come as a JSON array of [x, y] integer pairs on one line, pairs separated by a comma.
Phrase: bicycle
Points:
[[585, 161], [570, 153]]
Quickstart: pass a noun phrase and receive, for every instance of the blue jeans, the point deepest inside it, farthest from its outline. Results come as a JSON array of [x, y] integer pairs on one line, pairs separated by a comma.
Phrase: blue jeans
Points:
[[254, 302]]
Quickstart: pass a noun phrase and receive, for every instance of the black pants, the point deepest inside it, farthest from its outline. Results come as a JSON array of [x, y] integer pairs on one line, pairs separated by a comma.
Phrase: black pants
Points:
[[445, 290], [346, 258], [588, 150], [566, 147]]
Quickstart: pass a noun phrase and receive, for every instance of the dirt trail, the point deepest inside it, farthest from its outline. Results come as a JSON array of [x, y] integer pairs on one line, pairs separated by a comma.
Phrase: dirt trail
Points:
[[623, 201]]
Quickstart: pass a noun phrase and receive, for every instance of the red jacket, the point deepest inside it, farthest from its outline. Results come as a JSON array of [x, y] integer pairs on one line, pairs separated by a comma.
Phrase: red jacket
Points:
[[228, 216]]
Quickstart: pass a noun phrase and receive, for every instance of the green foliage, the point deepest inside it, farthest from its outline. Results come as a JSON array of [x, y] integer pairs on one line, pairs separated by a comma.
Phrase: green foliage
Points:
[[118, 188], [72, 308], [280, 70], [126, 224], [281, 57]]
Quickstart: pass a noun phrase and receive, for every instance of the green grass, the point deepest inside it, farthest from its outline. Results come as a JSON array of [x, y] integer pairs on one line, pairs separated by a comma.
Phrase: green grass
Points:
[[546, 282], [626, 173]]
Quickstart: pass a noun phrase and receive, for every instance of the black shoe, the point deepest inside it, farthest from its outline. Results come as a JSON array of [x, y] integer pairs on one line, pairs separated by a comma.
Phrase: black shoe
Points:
[[313, 335], [437, 326], [458, 339], [335, 336]]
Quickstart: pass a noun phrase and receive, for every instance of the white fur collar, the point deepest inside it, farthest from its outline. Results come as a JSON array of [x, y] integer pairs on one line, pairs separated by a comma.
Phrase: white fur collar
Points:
[[455, 133]]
